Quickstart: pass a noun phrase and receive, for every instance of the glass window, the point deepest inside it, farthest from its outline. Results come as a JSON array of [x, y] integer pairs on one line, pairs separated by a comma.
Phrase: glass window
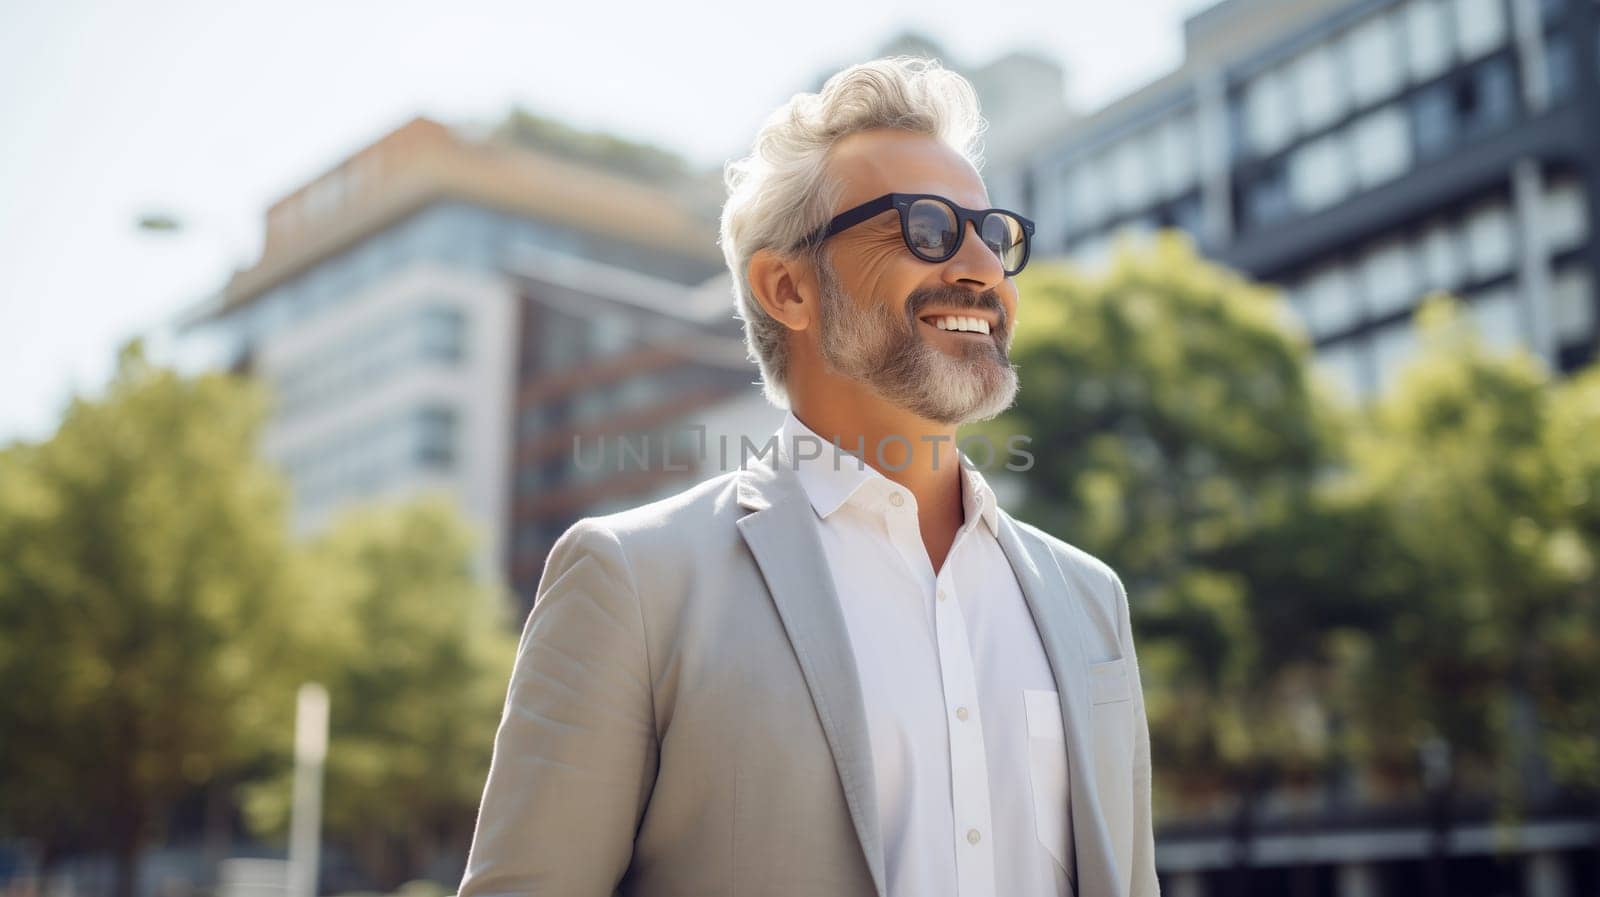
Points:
[[1290, 310], [1381, 146], [1328, 300], [1565, 214], [640, 392], [443, 333], [561, 341], [1131, 171], [1572, 301], [1345, 365], [434, 437], [1103, 172], [1087, 194], [1480, 26], [1427, 39], [1266, 199], [1372, 53], [1062, 191], [1318, 94], [1561, 67], [1179, 145], [610, 334], [1266, 114], [1389, 278], [1294, 308], [1498, 316], [1187, 214], [1239, 144], [1487, 101], [1318, 173], [1052, 198], [1440, 256], [591, 404], [1490, 242], [1392, 349], [1433, 120]]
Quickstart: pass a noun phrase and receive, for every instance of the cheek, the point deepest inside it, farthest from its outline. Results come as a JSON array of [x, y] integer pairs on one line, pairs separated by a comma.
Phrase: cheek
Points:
[[890, 291]]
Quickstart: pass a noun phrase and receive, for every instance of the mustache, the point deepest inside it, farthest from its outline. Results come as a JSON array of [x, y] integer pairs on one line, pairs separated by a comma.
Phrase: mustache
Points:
[[962, 300]]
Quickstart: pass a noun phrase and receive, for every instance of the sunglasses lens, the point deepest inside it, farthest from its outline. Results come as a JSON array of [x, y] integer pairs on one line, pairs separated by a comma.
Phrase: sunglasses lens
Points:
[[932, 228], [1005, 236]]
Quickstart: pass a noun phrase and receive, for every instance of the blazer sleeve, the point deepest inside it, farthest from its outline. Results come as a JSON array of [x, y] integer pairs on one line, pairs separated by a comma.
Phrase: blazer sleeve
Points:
[[575, 753], [1142, 877]]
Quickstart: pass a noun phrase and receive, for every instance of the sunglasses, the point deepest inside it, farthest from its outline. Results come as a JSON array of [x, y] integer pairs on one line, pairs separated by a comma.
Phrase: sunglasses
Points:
[[934, 227]]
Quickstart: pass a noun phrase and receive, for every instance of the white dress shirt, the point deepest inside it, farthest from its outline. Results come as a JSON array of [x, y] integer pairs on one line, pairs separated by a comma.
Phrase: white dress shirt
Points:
[[969, 755]]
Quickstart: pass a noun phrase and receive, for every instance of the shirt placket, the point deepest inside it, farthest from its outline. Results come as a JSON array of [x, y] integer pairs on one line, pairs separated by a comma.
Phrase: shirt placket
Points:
[[969, 766]]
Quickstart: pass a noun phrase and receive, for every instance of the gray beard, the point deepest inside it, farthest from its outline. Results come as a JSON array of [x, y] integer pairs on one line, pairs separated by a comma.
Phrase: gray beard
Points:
[[888, 353]]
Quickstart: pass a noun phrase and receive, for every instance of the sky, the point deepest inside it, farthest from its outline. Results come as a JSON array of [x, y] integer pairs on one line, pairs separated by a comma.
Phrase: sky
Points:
[[210, 111]]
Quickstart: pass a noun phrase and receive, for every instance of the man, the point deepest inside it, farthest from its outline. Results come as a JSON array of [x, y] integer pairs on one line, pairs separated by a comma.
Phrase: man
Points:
[[835, 673]]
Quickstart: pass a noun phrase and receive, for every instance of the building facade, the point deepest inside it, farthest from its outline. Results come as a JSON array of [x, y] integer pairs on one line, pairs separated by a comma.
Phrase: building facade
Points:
[[1360, 154], [434, 312], [630, 388]]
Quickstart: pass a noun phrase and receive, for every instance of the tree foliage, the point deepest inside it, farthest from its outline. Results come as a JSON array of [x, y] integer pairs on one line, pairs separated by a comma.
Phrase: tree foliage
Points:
[[1178, 435], [157, 618], [415, 653], [145, 613], [1319, 590], [1479, 470]]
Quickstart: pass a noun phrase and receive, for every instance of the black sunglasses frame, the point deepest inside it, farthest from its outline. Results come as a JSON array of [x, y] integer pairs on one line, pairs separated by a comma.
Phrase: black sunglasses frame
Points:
[[901, 203]]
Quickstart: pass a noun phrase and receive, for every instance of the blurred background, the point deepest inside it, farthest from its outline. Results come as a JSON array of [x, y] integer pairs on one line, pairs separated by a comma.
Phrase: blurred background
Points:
[[302, 308]]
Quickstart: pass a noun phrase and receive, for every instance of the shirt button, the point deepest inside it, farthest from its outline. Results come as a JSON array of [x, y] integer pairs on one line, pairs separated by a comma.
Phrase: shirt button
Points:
[[973, 836], [896, 499], [943, 594], [961, 714]]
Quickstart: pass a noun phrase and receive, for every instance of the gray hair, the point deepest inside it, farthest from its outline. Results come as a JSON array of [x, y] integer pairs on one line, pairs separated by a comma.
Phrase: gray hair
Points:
[[780, 192]]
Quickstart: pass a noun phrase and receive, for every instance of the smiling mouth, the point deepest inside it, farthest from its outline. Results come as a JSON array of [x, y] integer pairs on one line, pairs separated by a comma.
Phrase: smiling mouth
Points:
[[970, 325]]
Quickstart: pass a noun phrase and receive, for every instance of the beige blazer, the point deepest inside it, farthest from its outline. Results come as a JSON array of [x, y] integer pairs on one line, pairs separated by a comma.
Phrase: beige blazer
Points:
[[684, 715]]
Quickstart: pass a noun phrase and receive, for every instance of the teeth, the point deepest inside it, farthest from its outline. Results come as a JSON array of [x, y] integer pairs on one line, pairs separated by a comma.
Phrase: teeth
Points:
[[962, 323]]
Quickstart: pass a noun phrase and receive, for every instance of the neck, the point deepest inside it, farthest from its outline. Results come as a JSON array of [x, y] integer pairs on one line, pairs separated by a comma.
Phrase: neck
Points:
[[918, 454], [907, 449]]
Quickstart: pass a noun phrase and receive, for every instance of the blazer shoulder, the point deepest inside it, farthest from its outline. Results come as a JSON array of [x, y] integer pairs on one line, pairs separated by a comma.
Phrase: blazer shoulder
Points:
[[1075, 560], [676, 526]]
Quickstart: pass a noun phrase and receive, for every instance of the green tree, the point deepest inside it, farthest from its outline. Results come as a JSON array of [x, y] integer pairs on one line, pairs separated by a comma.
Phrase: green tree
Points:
[[1568, 697], [145, 609], [415, 654], [1179, 436], [1478, 466]]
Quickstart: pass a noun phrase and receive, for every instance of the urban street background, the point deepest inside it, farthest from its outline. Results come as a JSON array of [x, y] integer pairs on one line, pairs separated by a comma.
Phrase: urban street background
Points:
[[302, 309]]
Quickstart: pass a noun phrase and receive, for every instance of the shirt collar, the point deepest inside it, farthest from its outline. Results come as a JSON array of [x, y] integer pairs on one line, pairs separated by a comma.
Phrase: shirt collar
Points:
[[837, 476]]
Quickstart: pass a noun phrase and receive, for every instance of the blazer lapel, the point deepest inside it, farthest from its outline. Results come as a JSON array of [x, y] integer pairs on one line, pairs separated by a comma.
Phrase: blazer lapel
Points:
[[789, 553], [1056, 615]]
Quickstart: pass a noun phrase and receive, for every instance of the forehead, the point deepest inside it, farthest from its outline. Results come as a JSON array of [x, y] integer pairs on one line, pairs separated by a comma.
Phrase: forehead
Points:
[[889, 160]]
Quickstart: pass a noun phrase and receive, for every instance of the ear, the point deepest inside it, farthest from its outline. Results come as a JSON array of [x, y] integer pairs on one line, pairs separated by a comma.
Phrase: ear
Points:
[[786, 287]]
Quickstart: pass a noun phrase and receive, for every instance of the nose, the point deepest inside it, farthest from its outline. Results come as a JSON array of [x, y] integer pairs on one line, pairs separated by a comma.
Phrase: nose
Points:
[[974, 263]]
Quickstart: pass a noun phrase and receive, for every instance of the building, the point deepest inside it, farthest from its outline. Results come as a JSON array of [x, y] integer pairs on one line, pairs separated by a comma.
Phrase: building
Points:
[[439, 311], [1360, 154], [1022, 95], [630, 388]]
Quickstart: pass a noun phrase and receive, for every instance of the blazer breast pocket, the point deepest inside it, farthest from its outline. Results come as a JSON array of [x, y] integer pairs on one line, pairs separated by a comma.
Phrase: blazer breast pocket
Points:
[[1047, 770], [1108, 682]]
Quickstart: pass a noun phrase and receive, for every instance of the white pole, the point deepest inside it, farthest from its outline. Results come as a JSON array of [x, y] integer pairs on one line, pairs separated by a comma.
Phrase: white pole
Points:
[[305, 820]]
